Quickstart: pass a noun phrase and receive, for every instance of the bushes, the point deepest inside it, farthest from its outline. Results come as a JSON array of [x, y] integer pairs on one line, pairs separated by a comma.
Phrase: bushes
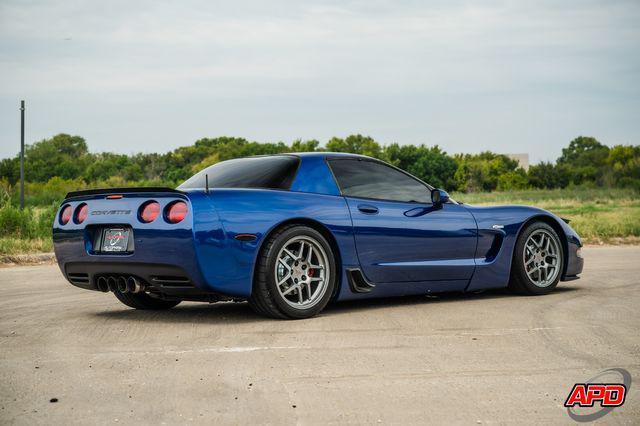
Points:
[[28, 223]]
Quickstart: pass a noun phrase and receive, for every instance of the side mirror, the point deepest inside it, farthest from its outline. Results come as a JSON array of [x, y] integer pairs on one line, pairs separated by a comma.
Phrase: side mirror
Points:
[[439, 197]]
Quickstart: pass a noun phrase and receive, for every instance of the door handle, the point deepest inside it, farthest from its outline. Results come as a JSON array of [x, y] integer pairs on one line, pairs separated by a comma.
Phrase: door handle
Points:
[[367, 209]]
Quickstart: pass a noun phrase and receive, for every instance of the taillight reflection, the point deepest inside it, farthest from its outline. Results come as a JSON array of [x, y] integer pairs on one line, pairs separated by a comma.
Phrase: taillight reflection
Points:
[[65, 214], [149, 211], [176, 212], [81, 213]]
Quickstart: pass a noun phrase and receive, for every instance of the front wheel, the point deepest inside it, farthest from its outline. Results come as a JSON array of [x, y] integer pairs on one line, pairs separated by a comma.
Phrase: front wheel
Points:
[[296, 274], [537, 260]]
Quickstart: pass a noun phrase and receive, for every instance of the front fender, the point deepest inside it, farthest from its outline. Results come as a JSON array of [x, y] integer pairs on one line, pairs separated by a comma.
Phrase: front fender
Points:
[[498, 230]]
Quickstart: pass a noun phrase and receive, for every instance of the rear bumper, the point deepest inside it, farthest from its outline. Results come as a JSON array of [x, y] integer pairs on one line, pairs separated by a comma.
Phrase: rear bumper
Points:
[[163, 260], [165, 280]]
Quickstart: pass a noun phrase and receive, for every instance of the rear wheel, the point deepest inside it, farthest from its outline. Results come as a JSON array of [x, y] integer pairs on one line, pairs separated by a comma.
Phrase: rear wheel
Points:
[[538, 259], [144, 301], [296, 274]]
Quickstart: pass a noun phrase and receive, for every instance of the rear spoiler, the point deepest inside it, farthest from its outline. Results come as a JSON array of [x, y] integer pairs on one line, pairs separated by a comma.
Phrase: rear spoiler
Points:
[[106, 191]]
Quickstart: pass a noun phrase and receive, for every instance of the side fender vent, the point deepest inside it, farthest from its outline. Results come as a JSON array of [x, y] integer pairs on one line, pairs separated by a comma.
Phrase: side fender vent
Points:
[[357, 282], [495, 247]]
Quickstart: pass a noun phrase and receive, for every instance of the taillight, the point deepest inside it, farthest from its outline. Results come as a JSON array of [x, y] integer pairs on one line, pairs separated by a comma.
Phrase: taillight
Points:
[[149, 211], [65, 214], [176, 212], [81, 213]]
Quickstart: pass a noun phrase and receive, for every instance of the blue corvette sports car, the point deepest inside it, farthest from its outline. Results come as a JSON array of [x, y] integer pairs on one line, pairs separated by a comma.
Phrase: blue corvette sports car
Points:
[[290, 233]]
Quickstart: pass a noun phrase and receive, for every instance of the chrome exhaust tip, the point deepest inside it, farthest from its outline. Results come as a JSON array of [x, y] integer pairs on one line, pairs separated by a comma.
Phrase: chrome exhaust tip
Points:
[[102, 284], [133, 285], [122, 285], [112, 283]]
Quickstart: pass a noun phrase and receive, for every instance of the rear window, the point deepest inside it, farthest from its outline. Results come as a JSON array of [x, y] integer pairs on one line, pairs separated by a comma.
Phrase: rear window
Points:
[[276, 172]]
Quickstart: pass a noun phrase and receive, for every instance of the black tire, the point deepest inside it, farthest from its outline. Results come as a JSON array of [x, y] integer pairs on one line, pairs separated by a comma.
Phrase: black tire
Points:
[[265, 298], [144, 301], [519, 281]]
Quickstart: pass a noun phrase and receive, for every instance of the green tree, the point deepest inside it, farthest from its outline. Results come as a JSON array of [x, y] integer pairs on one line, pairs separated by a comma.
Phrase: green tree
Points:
[[480, 172], [548, 176], [63, 155], [623, 166], [431, 164], [305, 146], [10, 169], [355, 144], [585, 158], [513, 180]]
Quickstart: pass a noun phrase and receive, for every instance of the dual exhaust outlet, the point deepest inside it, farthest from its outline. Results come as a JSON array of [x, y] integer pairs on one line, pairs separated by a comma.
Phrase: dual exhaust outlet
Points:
[[120, 283]]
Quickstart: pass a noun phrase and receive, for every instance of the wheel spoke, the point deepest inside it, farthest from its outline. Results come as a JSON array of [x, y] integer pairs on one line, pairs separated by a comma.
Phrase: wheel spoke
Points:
[[309, 289], [291, 255], [284, 279], [283, 263], [289, 290]]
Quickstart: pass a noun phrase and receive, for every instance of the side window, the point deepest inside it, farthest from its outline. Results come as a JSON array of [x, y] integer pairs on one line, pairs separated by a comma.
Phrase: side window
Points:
[[370, 179]]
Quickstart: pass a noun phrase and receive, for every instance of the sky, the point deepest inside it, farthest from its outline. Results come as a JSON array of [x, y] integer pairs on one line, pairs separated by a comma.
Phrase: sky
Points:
[[150, 76]]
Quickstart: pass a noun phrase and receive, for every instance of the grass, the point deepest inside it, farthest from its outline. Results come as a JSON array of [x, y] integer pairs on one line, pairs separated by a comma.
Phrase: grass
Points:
[[26, 231], [598, 215], [9, 245]]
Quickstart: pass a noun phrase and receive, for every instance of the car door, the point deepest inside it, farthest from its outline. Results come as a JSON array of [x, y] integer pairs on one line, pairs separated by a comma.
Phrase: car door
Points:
[[400, 235]]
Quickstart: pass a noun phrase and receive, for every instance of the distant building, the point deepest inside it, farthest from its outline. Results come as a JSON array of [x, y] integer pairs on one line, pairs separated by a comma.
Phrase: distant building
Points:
[[522, 159]]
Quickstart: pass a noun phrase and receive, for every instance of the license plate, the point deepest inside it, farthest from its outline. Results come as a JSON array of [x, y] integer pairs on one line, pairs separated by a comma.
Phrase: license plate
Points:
[[115, 240]]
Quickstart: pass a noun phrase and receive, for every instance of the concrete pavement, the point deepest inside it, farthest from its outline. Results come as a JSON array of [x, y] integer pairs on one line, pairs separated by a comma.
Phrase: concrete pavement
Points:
[[469, 359]]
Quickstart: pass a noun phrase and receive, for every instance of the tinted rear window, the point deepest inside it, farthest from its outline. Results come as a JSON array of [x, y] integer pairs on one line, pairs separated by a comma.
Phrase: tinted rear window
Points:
[[275, 172]]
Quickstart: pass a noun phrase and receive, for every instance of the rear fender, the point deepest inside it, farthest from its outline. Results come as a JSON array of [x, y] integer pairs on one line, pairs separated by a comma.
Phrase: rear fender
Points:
[[228, 264]]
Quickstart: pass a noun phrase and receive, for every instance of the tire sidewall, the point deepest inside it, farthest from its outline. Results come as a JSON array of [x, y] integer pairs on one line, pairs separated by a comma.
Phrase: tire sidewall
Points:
[[272, 257], [519, 259]]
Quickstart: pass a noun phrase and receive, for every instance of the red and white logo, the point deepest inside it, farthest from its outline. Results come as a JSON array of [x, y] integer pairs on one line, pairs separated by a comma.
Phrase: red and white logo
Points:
[[587, 394], [599, 395]]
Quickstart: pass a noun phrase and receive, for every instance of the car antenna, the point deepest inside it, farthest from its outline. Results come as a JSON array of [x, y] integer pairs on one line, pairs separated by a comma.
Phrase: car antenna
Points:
[[206, 183]]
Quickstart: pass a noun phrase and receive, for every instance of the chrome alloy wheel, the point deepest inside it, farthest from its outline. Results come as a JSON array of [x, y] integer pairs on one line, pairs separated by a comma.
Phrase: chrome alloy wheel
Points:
[[542, 258], [302, 272]]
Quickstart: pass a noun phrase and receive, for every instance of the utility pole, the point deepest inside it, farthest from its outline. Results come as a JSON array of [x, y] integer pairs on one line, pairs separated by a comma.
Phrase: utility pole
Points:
[[21, 155]]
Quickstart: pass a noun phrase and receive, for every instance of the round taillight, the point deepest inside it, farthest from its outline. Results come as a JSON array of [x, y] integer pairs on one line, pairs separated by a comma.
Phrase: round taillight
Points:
[[149, 211], [176, 212], [65, 214], [81, 213]]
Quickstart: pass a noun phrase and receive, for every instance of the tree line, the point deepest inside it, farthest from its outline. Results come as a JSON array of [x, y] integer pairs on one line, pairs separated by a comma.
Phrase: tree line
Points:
[[64, 162]]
